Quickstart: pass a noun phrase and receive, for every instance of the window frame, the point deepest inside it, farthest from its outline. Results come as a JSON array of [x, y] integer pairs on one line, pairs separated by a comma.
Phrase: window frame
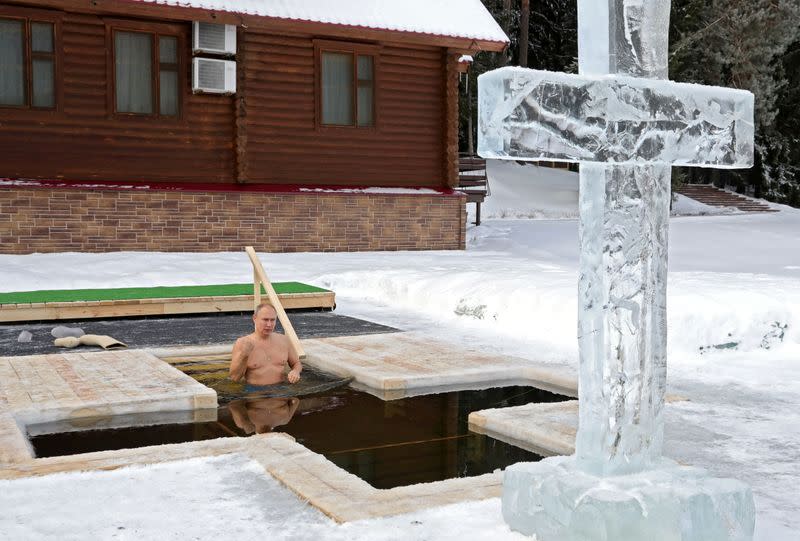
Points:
[[355, 50], [28, 16], [155, 31]]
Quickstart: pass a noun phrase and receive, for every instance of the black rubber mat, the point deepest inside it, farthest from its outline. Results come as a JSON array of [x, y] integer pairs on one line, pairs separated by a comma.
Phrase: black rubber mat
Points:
[[195, 330]]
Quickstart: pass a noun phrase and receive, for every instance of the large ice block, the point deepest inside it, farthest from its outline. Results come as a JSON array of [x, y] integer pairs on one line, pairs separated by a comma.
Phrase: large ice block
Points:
[[557, 501], [539, 115]]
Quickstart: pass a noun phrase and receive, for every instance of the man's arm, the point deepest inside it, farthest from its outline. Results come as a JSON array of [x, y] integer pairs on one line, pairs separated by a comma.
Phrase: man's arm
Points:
[[295, 364], [241, 350]]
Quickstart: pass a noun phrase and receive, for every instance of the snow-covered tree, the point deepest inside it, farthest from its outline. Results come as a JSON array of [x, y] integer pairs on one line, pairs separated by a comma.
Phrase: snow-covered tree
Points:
[[743, 44], [552, 44]]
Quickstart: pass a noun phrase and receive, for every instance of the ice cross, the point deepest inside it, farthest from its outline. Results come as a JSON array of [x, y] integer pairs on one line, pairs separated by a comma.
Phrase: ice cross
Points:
[[626, 128]]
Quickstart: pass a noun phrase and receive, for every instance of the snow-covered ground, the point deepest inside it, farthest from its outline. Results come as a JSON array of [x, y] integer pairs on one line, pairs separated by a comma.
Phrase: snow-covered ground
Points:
[[734, 349]]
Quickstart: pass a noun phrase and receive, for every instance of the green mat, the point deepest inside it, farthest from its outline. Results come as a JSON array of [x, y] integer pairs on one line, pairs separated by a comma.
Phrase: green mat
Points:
[[131, 293]]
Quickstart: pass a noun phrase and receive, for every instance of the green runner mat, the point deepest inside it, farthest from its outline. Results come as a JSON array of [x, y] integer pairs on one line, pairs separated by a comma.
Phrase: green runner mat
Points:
[[130, 293]]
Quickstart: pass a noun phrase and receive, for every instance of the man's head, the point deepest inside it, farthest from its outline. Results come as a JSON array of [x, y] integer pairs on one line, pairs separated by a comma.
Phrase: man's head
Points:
[[264, 317]]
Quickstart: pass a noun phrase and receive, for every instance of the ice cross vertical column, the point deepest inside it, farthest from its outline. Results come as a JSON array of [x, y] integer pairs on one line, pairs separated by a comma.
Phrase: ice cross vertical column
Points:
[[624, 218]]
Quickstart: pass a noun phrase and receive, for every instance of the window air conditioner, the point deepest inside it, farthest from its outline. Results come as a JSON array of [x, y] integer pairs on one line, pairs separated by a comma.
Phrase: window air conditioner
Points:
[[213, 38], [213, 76]]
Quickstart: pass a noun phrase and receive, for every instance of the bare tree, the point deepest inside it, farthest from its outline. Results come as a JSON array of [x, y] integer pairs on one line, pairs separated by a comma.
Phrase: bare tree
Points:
[[505, 21], [525, 14]]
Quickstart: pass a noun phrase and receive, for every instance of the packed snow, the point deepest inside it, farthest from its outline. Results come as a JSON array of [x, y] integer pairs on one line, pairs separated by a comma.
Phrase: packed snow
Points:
[[733, 346], [457, 18], [218, 498], [554, 195]]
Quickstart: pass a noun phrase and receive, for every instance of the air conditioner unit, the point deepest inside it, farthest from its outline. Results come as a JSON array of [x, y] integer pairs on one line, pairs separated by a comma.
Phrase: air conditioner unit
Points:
[[213, 76], [213, 38]]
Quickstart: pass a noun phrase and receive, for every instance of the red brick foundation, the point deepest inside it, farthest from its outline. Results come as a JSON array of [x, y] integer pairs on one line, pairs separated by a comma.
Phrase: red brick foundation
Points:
[[63, 219]]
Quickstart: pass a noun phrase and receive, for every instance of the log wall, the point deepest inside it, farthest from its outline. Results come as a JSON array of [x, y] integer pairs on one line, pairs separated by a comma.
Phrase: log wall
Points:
[[83, 141], [265, 134], [286, 146]]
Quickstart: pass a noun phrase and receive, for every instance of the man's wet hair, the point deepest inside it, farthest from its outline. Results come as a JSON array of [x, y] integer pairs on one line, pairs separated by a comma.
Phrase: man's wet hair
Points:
[[263, 305]]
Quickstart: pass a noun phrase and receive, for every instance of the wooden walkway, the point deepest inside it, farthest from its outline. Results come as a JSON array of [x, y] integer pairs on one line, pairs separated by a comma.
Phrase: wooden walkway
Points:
[[49, 311], [713, 196]]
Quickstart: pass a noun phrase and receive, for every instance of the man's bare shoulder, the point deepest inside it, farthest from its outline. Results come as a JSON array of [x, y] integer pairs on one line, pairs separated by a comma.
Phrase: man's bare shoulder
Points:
[[245, 343], [280, 338]]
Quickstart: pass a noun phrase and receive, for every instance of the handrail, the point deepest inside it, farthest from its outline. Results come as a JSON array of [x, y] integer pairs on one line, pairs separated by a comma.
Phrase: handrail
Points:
[[259, 278]]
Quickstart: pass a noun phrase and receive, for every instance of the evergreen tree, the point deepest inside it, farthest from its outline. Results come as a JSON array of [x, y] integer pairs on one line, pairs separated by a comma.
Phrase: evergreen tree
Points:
[[744, 44], [552, 45]]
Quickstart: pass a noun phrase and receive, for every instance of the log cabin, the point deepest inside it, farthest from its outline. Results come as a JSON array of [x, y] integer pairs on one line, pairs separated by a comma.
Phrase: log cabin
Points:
[[208, 125]]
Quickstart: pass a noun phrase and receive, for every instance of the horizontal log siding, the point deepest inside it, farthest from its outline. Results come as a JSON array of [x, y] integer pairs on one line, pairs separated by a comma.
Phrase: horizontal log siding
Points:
[[284, 145], [64, 220], [82, 141]]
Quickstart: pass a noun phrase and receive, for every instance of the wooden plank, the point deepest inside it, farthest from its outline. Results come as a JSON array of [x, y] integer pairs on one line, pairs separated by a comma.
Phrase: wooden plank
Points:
[[275, 301], [310, 300], [196, 305], [256, 289]]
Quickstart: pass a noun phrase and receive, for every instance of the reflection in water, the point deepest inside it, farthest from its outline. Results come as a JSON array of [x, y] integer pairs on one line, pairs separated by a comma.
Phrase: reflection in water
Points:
[[261, 415]]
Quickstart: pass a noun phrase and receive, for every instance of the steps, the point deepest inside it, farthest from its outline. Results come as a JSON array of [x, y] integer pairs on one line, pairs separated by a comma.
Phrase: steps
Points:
[[472, 181], [715, 197]]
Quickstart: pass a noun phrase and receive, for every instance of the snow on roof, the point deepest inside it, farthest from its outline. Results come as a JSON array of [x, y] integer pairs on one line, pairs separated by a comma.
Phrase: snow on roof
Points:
[[453, 18]]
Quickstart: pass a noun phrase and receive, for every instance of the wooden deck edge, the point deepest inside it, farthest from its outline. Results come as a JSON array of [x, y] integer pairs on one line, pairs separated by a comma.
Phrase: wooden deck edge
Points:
[[154, 307]]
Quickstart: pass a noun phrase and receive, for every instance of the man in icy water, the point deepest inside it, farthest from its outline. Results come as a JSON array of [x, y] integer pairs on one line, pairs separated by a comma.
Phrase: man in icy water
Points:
[[260, 358]]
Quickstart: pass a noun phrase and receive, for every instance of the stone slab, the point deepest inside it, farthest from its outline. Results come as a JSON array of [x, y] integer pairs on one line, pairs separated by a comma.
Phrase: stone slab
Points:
[[71, 387], [340, 495], [546, 429], [14, 446], [78, 386], [405, 364]]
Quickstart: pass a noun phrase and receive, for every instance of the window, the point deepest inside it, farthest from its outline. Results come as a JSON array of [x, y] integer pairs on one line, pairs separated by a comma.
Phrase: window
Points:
[[347, 84], [146, 69], [27, 63]]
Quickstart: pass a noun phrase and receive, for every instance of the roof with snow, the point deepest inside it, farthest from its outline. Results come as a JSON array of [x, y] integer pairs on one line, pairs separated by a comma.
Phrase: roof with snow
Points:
[[452, 18]]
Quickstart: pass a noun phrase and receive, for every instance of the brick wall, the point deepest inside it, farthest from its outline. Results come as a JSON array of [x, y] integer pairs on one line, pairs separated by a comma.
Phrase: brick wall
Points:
[[71, 219]]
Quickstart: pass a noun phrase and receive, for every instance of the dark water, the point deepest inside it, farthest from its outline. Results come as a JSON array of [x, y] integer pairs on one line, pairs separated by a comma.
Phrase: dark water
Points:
[[386, 443]]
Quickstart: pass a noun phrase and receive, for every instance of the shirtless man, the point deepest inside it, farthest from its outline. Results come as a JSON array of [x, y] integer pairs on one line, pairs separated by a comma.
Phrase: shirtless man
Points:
[[260, 357]]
